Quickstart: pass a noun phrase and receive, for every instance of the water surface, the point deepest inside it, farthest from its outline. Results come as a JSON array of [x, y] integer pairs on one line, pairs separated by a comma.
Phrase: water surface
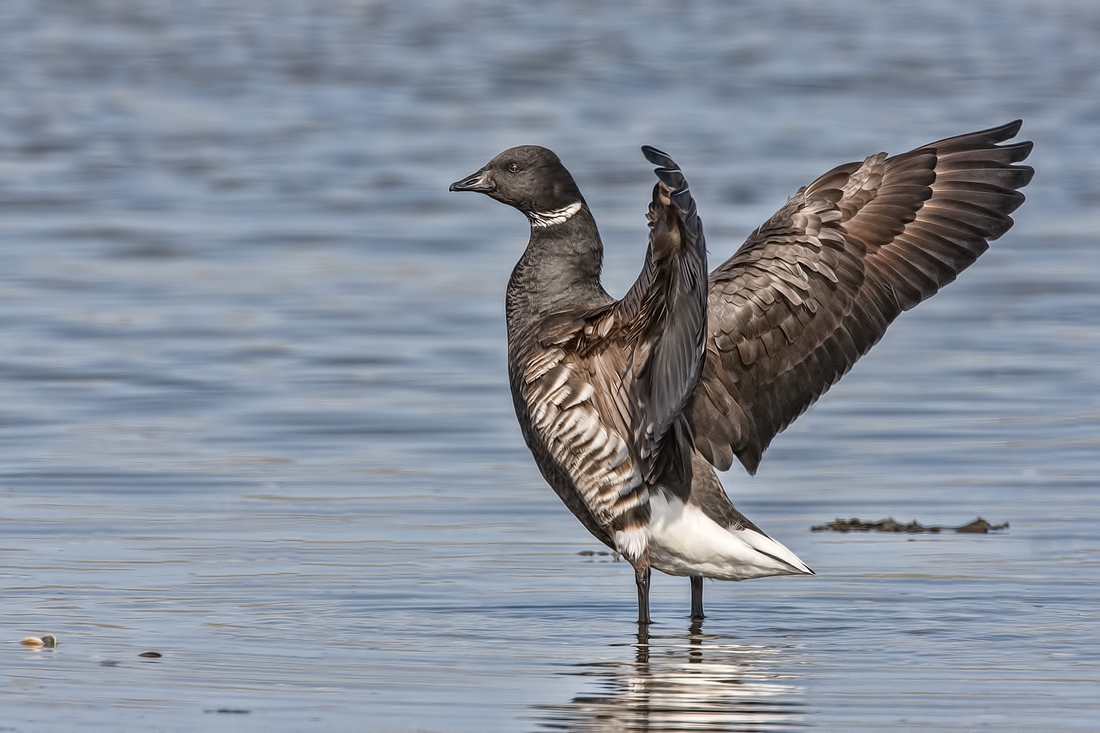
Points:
[[253, 406]]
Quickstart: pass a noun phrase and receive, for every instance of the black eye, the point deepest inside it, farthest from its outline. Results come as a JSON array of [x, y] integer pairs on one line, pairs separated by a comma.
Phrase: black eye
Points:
[[513, 168]]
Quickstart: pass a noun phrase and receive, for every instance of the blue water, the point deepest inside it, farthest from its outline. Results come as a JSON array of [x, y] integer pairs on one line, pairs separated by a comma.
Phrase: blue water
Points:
[[253, 406]]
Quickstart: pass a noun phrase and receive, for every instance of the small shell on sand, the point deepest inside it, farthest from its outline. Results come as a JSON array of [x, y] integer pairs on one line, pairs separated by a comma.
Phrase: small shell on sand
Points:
[[48, 640]]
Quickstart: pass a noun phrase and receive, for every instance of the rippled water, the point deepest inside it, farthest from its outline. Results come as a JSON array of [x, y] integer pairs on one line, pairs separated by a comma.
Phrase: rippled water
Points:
[[253, 409]]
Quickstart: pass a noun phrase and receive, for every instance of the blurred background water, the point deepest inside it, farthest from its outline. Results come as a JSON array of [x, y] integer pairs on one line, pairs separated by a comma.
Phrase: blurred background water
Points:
[[253, 407]]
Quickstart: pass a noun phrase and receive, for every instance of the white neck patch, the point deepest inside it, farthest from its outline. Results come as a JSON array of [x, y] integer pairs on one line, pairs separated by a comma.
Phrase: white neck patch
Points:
[[543, 219]]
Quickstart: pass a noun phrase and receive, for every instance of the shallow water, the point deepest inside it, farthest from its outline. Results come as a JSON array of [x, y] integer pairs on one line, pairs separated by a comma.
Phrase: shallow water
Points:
[[253, 409]]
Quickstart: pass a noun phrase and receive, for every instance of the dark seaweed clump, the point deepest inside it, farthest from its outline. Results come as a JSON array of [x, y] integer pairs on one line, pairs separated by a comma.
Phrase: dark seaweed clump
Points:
[[978, 526]]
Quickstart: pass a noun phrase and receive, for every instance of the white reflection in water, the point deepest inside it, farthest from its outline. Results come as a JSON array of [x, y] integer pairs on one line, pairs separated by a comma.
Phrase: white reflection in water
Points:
[[695, 682]]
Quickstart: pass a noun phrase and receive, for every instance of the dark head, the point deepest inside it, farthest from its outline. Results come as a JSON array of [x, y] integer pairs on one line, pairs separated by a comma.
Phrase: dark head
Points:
[[530, 178]]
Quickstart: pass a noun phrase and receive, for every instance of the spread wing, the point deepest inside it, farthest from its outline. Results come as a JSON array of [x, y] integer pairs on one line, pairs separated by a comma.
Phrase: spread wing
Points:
[[815, 287], [606, 388]]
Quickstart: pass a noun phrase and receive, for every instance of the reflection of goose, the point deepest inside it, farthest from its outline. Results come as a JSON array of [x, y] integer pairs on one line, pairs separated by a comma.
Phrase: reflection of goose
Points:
[[629, 405], [692, 683]]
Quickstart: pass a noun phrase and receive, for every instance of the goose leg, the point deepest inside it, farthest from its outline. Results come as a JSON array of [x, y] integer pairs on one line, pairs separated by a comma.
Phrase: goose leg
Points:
[[641, 577], [697, 598]]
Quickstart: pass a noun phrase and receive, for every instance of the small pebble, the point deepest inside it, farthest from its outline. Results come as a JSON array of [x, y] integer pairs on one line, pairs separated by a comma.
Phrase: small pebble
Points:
[[151, 655]]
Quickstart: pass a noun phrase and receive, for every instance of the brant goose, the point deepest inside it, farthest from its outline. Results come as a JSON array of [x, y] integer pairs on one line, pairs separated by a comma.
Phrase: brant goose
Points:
[[629, 406]]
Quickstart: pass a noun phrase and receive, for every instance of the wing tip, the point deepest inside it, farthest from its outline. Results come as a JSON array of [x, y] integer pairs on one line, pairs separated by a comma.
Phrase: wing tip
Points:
[[658, 157], [670, 175], [667, 171], [1022, 150], [1009, 130], [750, 458], [998, 134], [987, 139]]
